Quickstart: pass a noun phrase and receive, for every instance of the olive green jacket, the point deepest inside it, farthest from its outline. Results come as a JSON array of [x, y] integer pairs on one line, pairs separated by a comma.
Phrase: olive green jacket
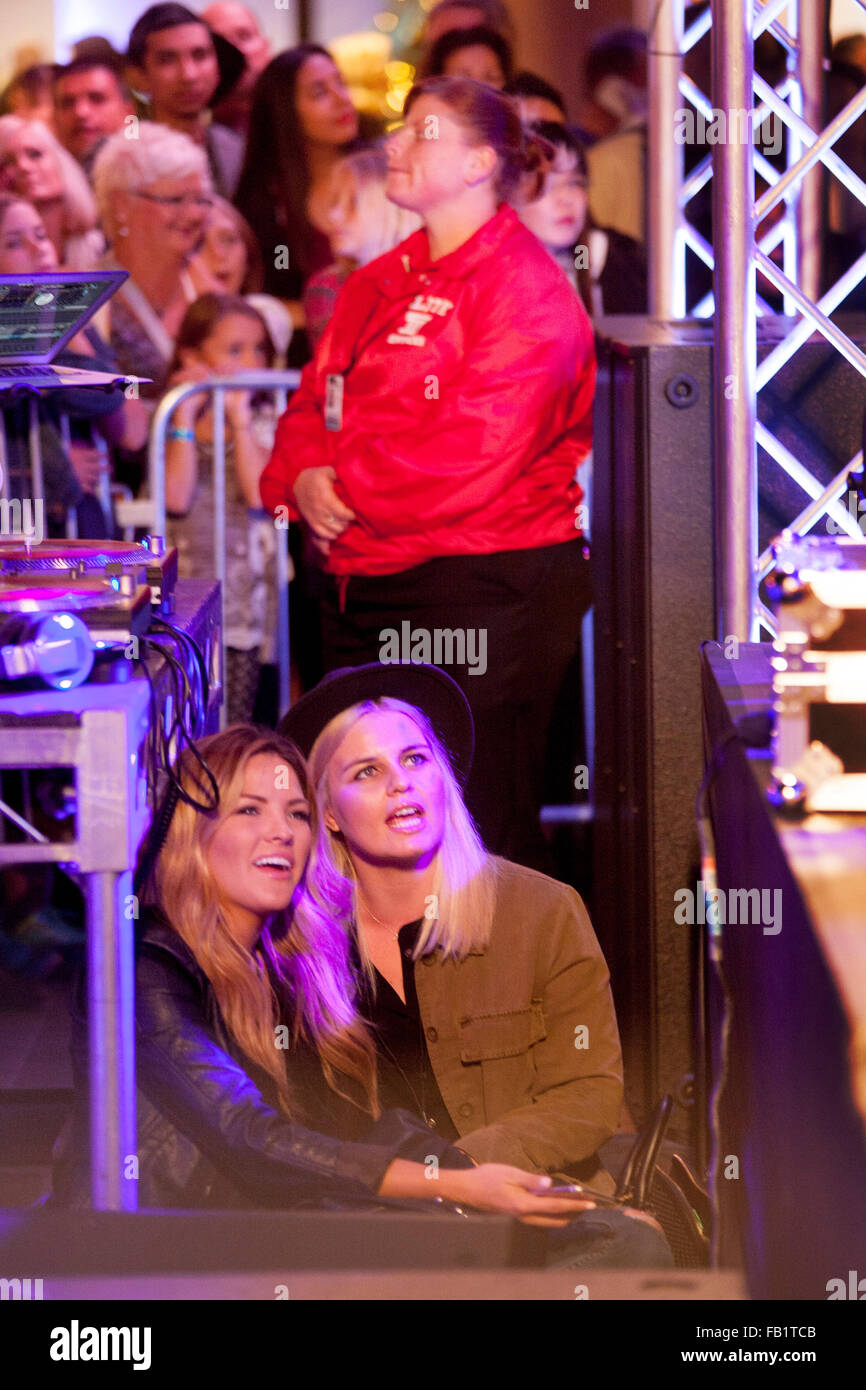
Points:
[[522, 1035]]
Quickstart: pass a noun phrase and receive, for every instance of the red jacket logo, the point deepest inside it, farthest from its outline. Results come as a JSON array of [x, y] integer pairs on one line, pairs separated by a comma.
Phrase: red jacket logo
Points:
[[420, 311]]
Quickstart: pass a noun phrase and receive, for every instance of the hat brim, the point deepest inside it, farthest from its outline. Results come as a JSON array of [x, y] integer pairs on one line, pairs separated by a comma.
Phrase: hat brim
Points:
[[430, 689]]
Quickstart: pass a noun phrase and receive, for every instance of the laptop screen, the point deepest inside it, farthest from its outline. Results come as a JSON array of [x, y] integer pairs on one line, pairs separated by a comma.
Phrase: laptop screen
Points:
[[38, 313]]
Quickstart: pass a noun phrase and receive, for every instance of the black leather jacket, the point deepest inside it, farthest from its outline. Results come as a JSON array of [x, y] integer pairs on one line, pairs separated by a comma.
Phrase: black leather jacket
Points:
[[209, 1132]]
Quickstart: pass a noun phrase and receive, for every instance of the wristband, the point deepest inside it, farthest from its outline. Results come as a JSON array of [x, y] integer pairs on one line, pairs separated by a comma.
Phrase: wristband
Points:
[[180, 434]]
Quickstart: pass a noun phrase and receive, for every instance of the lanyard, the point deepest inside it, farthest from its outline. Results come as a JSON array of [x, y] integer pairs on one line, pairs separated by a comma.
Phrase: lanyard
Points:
[[148, 318]]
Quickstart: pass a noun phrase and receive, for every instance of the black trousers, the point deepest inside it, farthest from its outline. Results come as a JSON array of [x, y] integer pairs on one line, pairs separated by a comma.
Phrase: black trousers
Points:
[[520, 612]]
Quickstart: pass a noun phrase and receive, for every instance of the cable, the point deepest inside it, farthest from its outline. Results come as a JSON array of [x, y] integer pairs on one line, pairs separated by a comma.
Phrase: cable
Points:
[[160, 625], [182, 690], [166, 748], [180, 669], [181, 736]]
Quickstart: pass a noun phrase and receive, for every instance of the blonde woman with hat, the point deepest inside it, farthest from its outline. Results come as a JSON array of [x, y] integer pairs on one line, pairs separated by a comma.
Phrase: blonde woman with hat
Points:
[[482, 981]]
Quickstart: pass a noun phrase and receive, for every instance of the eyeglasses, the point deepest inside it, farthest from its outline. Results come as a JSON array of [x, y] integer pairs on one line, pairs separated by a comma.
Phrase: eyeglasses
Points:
[[177, 200]]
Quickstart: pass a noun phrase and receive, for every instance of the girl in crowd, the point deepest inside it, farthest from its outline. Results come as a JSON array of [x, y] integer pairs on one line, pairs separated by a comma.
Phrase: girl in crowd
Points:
[[230, 258], [480, 53], [154, 195], [222, 1109], [302, 120], [229, 253], [34, 165], [433, 444], [362, 223], [606, 267], [220, 335]]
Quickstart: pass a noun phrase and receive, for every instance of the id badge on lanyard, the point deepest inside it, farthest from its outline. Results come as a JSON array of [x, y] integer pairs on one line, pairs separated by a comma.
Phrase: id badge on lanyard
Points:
[[334, 401]]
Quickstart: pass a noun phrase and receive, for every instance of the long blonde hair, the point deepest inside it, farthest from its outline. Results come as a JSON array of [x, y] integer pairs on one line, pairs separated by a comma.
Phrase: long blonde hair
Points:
[[83, 243], [307, 977], [460, 916], [368, 169]]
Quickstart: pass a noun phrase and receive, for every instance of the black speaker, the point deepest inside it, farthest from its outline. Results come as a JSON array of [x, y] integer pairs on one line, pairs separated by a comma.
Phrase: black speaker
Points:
[[654, 587], [652, 536]]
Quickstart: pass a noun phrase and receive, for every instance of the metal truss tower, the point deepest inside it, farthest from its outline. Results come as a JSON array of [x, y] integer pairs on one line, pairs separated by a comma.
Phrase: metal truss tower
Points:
[[775, 231]]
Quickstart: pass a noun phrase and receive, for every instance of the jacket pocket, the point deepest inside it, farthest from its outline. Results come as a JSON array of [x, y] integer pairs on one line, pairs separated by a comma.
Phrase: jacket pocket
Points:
[[489, 1036]]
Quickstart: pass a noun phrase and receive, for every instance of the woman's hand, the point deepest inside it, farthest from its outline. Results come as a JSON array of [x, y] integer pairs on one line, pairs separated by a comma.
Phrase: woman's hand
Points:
[[238, 410], [512, 1192], [185, 415], [321, 508], [489, 1187], [202, 277], [194, 371]]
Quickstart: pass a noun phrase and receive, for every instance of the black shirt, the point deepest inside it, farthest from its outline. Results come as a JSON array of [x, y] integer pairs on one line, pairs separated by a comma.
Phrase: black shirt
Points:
[[406, 1079]]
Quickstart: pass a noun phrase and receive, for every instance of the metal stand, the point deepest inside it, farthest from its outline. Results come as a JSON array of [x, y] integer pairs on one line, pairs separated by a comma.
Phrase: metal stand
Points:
[[99, 732], [746, 239]]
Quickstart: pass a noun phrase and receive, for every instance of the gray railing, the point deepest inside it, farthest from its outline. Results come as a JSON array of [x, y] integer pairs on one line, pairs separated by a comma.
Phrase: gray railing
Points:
[[280, 383]]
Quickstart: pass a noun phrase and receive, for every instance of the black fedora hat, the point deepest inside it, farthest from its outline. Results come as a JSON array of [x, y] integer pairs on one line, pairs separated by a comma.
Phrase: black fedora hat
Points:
[[427, 687], [230, 60]]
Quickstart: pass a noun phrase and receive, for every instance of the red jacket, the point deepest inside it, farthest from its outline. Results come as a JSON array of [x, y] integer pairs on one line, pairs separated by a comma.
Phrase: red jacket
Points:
[[467, 403]]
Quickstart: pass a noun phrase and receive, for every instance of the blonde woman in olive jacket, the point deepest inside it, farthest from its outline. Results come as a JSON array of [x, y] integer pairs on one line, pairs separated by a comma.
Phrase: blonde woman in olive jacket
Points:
[[483, 980]]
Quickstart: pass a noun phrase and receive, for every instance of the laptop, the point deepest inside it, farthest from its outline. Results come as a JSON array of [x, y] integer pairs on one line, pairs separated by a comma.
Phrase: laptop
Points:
[[39, 315]]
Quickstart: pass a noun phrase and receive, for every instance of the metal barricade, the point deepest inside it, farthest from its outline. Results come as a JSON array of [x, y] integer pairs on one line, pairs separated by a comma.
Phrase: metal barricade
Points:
[[36, 485], [280, 383]]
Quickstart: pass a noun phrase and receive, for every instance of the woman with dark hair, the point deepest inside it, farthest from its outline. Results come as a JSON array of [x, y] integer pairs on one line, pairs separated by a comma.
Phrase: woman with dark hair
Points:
[[230, 258], [606, 267], [229, 251], [433, 444], [302, 120], [479, 53]]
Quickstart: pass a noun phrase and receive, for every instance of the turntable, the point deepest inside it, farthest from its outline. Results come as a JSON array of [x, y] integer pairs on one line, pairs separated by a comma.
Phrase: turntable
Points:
[[112, 609], [62, 604], [149, 563]]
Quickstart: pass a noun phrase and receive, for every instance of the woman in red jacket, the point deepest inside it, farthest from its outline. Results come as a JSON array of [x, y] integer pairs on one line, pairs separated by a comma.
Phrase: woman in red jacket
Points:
[[432, 449]]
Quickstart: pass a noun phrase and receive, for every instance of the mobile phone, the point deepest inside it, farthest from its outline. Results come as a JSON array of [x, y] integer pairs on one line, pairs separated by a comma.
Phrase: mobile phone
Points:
[[587, 1194]]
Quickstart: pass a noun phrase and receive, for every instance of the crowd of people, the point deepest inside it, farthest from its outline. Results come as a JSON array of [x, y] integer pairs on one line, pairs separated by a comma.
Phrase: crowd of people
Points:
[[208, 168], [368, 877]]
